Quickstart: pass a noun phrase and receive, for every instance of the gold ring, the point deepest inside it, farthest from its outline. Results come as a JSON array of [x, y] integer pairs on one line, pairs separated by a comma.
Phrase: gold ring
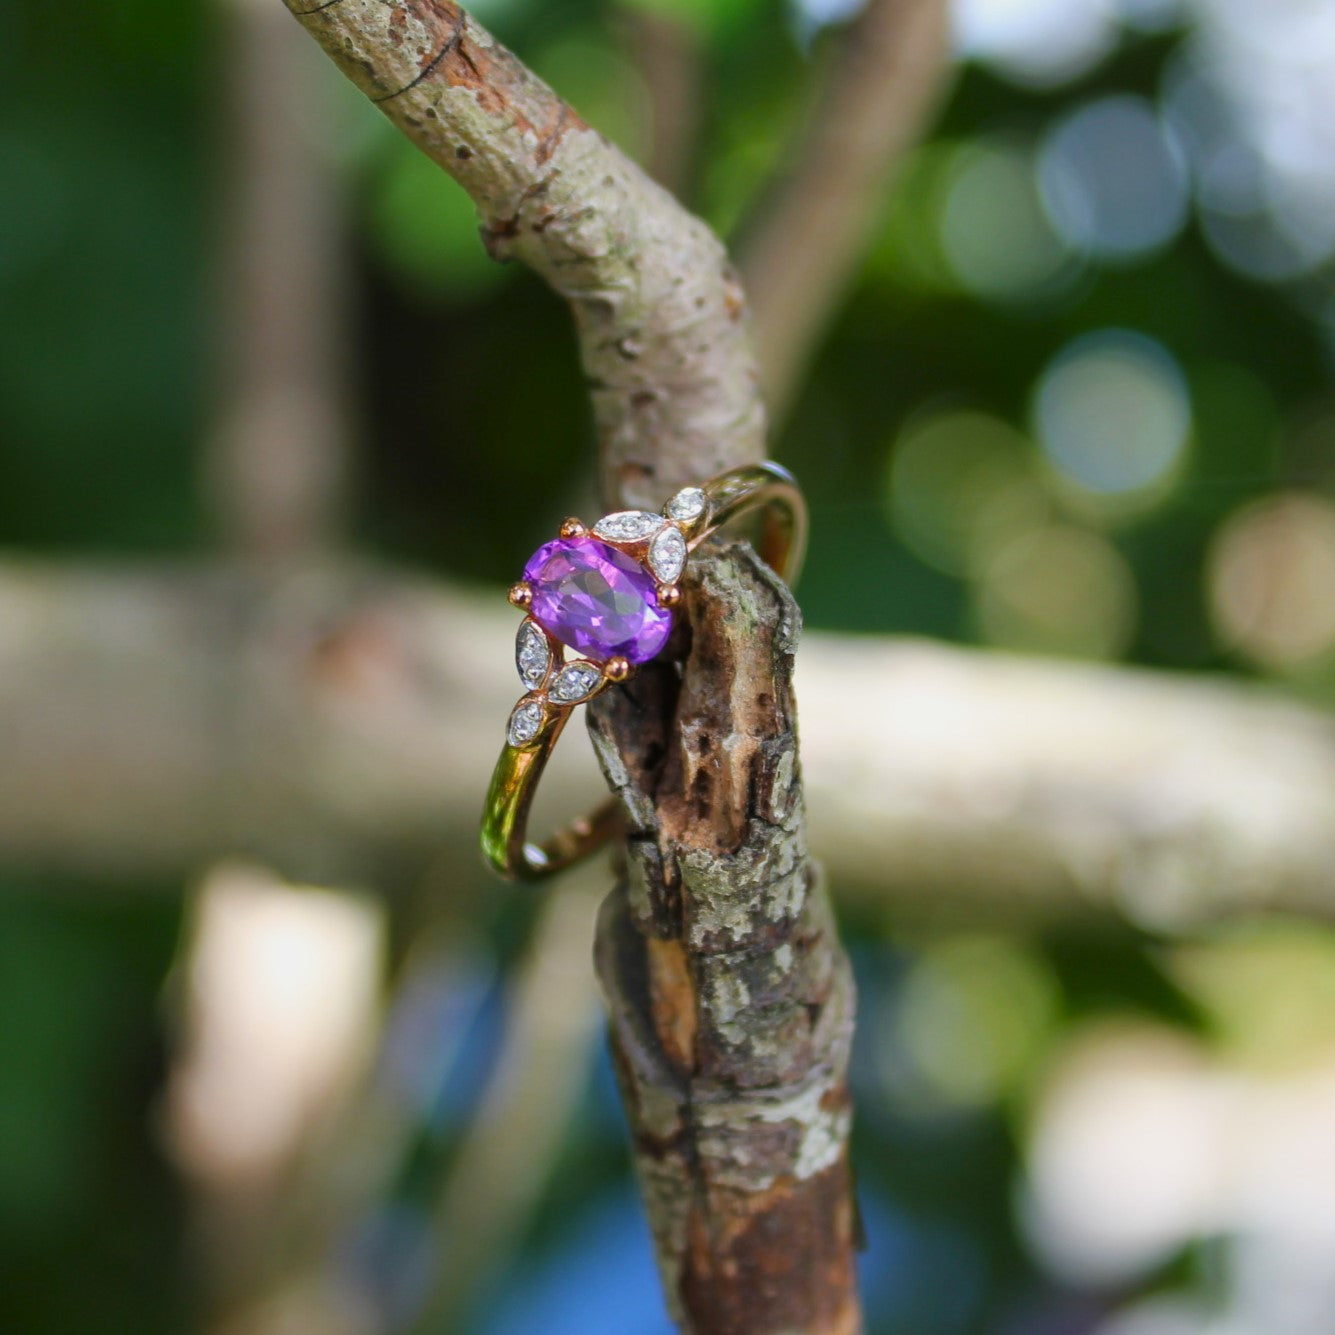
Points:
[[607, 593]]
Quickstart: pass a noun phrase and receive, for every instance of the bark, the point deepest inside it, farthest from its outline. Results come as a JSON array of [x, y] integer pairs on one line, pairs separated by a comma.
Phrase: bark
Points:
[[731, 1000], [659, 314], [661, 324]]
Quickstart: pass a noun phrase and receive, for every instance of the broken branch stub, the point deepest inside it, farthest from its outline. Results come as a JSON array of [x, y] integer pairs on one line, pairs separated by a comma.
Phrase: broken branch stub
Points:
[[730, 998]]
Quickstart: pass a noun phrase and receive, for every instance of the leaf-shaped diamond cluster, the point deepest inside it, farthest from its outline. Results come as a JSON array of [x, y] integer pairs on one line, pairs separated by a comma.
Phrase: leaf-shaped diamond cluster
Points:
[[659, 544]]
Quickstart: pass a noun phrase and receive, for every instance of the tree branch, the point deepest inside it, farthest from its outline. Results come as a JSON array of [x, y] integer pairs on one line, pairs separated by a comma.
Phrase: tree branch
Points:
[[658, 312], [523, 1117], [333, 724], [660, 320], [811, 230], [731, 1000], [668, 56], [277, 459]]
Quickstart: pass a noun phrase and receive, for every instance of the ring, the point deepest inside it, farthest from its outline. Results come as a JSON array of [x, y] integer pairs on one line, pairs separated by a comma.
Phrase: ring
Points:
[[608, 594]]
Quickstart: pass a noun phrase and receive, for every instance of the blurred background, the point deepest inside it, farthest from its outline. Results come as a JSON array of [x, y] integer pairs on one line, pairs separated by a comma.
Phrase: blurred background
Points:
[[276, 1054]]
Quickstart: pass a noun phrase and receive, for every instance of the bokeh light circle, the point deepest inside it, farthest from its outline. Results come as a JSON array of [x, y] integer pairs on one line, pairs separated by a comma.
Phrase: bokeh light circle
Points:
[[1058, 590], [1113, 179], [1271, 581], [1113, 417], [1043, 43], [959, 484], [995, 233], [1251, 99], [972, 1019]]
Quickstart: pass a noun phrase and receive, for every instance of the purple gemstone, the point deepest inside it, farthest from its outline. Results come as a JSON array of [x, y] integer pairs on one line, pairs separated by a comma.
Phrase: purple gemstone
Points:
[[597, 600]]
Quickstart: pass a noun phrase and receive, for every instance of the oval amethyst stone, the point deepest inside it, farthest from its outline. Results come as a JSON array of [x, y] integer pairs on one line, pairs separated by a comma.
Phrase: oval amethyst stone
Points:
[[597, 599]]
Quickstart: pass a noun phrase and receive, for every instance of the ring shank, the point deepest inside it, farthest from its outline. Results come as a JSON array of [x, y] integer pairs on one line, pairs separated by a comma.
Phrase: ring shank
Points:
[[781, 543], [505, 816]]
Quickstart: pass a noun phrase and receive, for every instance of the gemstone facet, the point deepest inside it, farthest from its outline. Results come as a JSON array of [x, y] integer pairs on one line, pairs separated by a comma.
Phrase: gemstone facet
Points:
[[575, 681], [597, 599], [667, 554], [533, 656], [525, 722], [628, 525]]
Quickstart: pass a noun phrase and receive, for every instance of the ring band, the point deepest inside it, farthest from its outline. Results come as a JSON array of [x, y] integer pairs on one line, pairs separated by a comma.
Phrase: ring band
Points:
[[608, 593]]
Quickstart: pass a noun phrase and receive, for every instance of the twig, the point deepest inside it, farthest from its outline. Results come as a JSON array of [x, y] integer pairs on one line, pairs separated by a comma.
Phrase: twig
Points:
[[277, 462], [659, 315], [333, 723], [668, 56], [524, 1115], [810, 232]]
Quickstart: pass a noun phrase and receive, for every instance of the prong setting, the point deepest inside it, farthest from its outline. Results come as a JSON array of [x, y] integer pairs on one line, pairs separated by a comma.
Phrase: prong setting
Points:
[[650, 548]]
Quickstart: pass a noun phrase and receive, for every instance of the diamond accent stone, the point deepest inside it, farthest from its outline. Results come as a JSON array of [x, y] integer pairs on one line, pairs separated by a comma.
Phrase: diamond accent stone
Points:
[[576, 681], [667, 555], [533, 655], [628, 525], [525, 722], [688, 504]]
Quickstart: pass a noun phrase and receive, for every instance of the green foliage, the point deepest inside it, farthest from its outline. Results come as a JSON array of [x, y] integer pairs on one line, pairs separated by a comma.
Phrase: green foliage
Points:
[[83, 1191], [426, 227], [705, 16]]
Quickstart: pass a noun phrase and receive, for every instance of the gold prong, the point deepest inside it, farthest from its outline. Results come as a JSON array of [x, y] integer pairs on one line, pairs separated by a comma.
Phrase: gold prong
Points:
[[617, 669], [521, 596], [669, 595], [573, 528]]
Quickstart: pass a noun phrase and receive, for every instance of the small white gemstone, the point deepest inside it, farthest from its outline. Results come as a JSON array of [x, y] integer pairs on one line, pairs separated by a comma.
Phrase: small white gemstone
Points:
[[525, 722], [687, 504], [667, 555], [576, 681], [628, 525], [532, 654]]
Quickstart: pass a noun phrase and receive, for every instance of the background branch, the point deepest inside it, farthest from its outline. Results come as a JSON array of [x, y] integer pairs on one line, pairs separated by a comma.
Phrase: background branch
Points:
[[669, 58], [330, 723], [798, 256], [276, 464], [523, 1117]]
